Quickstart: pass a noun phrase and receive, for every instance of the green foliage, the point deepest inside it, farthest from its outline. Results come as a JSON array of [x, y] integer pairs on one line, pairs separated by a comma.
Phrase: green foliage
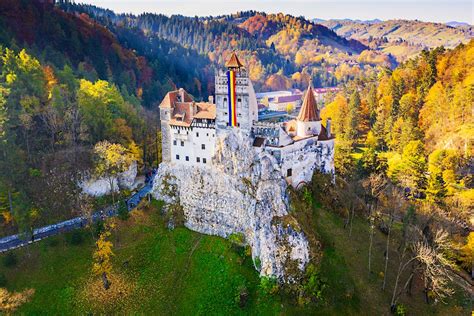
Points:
[[241, 296], [75, 237], [122, 211], [269, 285], [99, 227], [400, 310], [257, 263], [3, 280], [10, 260], [314, 284]]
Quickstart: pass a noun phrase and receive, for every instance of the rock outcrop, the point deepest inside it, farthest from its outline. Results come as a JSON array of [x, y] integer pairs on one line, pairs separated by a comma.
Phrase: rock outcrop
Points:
[[102, 186], [242, 192]]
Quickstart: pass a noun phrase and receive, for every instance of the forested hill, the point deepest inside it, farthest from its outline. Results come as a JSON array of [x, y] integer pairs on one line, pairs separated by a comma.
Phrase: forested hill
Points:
[[60, 38], [402, 38], [94, 52], [415, 125], [66, 86], [280, 50]]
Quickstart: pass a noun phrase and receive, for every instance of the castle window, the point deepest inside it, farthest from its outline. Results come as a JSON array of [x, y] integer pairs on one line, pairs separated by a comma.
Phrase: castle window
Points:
[[225, 99], [204, 160], [207, 134], [187, 158], [203, 146], [174, 142], [239, 100], [309, 128], [197, 134], [177, 157], [289, 172], [198, 159], [182, 144]]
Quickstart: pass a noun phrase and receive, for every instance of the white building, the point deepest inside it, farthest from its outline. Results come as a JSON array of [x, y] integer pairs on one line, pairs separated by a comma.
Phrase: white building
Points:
[[190, 128]]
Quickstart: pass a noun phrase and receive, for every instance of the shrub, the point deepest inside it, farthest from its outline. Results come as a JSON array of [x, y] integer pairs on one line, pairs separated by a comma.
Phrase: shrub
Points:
[[75, 238], [257, 263], [242, 296], [99, 228], [10, 260], [122, 211], [268, 285], [314, 285], [53, 242], [400, 310], [3, 280]]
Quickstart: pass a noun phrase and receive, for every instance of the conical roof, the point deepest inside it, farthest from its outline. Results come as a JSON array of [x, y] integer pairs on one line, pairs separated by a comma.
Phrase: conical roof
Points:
[[309, 109], [233, 61]]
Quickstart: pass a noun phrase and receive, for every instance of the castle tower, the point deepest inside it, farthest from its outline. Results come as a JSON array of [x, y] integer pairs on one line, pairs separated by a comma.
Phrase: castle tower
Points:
[[236, 103], [308, 122]]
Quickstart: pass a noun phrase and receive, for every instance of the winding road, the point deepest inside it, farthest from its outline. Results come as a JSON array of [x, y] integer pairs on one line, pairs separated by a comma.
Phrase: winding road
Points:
[[20, 240]]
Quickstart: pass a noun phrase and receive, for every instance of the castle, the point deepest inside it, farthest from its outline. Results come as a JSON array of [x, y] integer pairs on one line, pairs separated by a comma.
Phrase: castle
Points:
[[190, 129]]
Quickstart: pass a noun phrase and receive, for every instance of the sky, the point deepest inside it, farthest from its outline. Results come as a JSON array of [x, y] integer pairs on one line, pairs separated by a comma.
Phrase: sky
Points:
[[424, 10]]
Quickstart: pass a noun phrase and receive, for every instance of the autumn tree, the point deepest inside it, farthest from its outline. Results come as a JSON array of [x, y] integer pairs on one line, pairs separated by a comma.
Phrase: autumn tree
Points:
[[110, 161], [467, 253], [102, 257]]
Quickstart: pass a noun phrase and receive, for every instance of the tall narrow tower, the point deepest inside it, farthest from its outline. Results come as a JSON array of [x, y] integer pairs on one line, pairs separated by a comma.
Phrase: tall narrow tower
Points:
[[236, 103]]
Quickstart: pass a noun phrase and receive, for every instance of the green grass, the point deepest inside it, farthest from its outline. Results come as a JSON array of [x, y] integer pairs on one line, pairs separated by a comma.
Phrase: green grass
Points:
[[181, 272], [174, 272]]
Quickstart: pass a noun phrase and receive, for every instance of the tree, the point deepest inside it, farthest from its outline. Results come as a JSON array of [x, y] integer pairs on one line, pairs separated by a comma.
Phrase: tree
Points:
[[9, 302], [110, 160], [467, 253], [102, 265]]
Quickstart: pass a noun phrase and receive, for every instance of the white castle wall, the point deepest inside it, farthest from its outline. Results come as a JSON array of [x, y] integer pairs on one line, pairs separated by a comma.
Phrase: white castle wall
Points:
[[188, 142]]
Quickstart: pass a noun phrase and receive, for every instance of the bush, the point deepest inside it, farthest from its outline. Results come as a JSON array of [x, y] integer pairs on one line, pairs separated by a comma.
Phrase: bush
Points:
[[314, 285], [122, 211], [10, 260], [99, 228], [3, 280], [242, 296], [52, 242], [75, 238], [268, 285], [400, 310]]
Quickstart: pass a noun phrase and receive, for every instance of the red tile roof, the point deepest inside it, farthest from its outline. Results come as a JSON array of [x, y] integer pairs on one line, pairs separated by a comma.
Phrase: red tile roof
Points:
[[233, 62], [309, 109]]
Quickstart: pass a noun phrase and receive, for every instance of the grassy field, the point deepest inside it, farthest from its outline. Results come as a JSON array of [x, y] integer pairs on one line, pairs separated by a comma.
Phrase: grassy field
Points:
[[181, 272]]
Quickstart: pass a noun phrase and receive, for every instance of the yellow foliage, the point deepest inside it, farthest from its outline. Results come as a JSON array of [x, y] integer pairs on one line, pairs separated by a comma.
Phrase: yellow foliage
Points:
[[9, 302], [103, 254], [94, 295], [337, 111], [467, 252]]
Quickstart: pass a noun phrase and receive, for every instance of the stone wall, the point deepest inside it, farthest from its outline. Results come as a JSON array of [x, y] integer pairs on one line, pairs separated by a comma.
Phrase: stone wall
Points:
[[243, 192]]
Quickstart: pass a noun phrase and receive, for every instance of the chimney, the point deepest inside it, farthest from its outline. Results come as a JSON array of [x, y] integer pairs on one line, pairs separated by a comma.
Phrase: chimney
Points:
[[211, 99], [328, 127], [181, 94], [191, 109]]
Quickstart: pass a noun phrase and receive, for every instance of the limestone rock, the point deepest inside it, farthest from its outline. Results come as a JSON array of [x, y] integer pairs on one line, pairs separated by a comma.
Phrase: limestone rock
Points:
[[101, 186], [242, 192]]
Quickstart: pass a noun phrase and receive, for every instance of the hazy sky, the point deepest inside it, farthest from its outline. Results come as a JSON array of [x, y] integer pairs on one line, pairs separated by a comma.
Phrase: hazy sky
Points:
[[425, 10]]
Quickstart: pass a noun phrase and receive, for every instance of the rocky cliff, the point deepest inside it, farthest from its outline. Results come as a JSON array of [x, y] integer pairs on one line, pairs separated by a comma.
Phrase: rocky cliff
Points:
[[243, 192]]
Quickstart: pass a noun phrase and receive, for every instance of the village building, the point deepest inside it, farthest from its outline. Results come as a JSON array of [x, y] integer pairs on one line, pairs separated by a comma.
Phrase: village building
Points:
[[300, 145]]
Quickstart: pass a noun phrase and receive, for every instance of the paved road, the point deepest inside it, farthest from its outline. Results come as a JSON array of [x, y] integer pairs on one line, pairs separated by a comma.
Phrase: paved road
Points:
[[18, 240]]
